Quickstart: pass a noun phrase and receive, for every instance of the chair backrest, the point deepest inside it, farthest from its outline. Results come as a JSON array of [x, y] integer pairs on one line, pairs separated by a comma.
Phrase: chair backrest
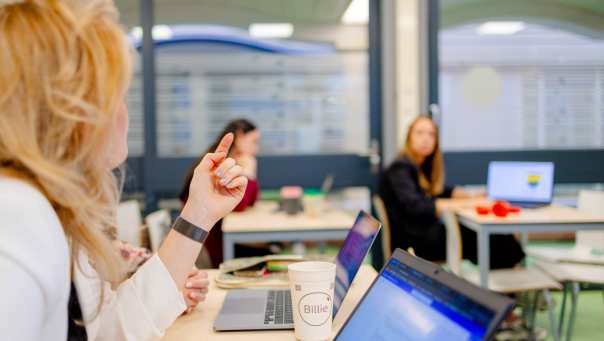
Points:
[[591, 202], [129, 222], [454, 244], [382, 214], [158, 224]]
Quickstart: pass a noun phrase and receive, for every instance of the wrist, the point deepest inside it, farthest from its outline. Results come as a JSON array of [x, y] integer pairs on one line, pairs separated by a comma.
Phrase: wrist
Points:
[[198, 217], [249, 175]]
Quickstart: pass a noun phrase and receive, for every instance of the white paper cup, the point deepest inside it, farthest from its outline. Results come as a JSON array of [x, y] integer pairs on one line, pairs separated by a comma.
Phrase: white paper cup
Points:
[[312, 285]]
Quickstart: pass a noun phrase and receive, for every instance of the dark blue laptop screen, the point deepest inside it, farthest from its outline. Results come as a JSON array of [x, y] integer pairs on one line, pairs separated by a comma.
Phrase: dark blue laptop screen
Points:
[[405, 304], [351, 255]]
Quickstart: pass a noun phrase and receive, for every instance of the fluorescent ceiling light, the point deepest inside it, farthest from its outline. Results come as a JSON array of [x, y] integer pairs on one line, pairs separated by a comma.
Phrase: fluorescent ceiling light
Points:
[[357, 12], [137, 32], [500, 28], [160, 32], [271, 30]]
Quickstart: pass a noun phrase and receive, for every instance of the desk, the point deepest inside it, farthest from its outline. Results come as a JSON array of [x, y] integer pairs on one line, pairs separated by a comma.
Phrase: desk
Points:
[[198, 325], [263, 223], [545, 219]]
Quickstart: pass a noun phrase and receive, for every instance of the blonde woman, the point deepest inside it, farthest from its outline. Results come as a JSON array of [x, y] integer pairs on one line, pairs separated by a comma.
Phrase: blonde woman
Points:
[[64, 72], [411, 187]]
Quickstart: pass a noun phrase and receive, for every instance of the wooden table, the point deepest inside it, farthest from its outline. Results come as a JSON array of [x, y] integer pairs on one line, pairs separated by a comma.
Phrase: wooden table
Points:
[[544, 219], [264, 222], [197, 326]]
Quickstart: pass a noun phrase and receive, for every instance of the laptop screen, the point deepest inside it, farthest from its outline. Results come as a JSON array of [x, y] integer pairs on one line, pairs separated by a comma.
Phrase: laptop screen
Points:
[[405, 304], [351, 255], [521, 181]]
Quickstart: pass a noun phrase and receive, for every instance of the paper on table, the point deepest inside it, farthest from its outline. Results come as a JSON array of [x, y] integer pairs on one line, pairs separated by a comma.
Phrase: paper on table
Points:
[[228, 280]]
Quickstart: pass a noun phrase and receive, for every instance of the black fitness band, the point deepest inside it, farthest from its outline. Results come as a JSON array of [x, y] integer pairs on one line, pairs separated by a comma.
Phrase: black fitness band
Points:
[[189, 230]]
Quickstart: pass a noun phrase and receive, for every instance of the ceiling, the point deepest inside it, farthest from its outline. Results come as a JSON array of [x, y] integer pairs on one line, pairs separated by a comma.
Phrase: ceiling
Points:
[[237, 12], [579, 16], [586, 16]]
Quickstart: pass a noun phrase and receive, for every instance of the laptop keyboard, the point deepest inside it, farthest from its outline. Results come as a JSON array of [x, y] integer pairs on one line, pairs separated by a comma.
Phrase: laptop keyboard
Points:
[[278, 307]]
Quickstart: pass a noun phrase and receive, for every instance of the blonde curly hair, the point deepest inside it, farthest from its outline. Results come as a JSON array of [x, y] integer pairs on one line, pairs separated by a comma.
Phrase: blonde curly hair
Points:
[[66, 67]]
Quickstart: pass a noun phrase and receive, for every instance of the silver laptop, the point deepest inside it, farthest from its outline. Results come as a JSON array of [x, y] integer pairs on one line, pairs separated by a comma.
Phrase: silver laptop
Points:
[[525, 184], [259, 309]]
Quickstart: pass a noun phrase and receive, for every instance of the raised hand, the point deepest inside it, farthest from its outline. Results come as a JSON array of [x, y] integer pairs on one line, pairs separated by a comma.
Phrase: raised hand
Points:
[[216, 188]]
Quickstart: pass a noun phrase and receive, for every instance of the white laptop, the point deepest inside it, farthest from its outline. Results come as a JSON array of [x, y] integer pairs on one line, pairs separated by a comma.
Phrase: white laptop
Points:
[[525, 184]]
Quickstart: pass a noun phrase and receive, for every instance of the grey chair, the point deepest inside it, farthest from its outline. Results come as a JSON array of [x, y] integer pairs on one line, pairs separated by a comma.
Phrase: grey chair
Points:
[[382, 214]]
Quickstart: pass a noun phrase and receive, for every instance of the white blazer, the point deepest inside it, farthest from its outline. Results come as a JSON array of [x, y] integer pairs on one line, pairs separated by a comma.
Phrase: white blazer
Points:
[[35, 280]]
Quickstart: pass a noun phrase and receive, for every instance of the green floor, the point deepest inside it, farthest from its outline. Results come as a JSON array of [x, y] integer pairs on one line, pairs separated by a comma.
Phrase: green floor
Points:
[[589, 325]]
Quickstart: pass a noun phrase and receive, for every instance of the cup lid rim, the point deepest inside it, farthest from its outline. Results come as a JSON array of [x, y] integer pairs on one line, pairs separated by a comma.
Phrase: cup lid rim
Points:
[[306, 266]]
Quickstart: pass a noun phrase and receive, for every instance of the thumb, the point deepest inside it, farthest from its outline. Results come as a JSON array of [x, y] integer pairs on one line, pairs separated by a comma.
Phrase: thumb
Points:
[[211, 160]]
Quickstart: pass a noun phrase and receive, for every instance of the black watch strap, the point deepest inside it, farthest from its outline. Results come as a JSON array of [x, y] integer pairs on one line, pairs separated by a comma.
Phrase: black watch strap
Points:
[[189, 230]]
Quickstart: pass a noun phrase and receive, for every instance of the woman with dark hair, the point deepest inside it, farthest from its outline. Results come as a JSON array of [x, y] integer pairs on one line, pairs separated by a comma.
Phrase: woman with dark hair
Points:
[[411, 187], [244, 151]]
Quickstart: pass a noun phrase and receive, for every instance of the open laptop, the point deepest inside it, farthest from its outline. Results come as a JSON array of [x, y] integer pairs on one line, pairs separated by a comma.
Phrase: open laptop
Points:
[[524, 184], [327, 184], [259, 309], [413, 299]]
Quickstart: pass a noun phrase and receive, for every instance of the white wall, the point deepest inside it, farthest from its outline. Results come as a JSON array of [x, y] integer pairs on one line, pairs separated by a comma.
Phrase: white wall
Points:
[[405, 69]]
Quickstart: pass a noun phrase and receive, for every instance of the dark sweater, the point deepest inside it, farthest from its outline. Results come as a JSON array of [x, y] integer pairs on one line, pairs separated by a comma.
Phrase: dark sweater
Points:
[[411, 211], [413, 220]]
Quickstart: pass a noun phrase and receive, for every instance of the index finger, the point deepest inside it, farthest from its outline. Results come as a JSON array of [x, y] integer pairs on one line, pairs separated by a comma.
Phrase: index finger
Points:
[[225, 143]]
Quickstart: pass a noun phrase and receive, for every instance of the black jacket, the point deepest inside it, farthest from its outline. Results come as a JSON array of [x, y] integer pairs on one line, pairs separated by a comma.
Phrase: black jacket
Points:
[[411, 211]]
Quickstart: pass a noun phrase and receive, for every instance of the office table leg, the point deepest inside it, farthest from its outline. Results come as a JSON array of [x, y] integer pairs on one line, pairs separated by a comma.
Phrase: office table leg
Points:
[[228, 247], [553, 328], [322, 247], [573, 310], [484, 254], [565, 290], [524, 240]]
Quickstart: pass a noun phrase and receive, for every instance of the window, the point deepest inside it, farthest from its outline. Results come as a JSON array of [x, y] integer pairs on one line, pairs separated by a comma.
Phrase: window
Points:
[[519, 84], [134, 100], [306, 87]]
